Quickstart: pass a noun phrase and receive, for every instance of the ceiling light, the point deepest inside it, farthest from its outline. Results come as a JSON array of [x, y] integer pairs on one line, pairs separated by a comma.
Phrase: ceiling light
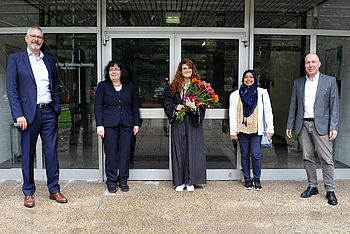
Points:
[[172, 17]]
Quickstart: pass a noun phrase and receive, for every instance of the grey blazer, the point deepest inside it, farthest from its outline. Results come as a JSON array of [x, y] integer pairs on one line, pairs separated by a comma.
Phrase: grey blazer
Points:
[[326, 107]]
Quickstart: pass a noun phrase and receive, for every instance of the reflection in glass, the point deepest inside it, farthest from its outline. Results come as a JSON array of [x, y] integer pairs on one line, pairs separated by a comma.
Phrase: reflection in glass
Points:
[[217, 64], [180, 13], [76, 62], [48, 13], [151, 150], [334, 53], [216, 61], [10, 149], [220, 151], [313, 14], [147, 60], [279, 60]]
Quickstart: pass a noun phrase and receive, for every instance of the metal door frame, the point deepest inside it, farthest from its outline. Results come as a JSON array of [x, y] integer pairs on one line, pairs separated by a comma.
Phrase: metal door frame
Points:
[[175, 35], [219, 174]]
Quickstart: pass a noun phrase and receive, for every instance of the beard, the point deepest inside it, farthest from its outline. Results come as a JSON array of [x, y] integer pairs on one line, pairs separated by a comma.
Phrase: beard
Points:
[[34, 46]]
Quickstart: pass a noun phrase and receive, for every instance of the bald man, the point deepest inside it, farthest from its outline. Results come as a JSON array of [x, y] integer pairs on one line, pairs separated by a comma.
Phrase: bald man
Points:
[[314, 115]]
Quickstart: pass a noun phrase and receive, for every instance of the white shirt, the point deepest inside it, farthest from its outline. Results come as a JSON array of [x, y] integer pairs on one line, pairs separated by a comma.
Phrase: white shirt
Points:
[[41, 76], [310, 95]]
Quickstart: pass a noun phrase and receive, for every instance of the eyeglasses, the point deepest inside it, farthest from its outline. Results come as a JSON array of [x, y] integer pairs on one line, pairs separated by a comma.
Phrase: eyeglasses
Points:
[[35, 36], [114, 69]]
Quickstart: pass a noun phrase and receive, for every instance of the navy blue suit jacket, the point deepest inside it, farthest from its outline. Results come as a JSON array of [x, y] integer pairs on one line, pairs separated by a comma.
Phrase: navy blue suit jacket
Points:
[[22, 89], [111, 109]]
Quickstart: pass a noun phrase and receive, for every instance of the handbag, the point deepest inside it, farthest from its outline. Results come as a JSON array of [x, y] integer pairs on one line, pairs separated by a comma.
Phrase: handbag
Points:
[[266, 142]]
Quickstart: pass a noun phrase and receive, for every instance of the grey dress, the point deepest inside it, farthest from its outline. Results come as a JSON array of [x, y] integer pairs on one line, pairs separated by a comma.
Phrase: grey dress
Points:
[[187, 143]]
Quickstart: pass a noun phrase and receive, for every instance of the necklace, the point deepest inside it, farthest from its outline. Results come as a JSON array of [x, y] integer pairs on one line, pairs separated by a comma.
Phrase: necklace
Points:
[[117, 85]]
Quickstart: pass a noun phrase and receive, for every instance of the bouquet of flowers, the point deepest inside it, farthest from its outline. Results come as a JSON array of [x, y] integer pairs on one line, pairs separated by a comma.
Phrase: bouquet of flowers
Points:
[[202, 94]]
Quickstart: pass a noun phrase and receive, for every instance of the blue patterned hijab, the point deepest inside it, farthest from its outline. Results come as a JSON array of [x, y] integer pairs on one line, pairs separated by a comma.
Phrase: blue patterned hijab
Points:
[[249, 96]]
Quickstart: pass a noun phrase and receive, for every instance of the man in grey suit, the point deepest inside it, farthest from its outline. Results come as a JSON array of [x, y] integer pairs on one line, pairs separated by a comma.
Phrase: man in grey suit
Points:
[[313, 115]]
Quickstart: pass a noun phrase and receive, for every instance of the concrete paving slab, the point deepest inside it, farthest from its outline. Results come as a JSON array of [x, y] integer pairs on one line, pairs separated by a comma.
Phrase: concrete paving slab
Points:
[[155, 207]]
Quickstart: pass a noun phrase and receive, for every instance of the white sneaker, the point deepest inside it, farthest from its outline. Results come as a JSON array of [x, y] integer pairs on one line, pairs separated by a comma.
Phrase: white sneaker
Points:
[[180, 188], [190, 188]]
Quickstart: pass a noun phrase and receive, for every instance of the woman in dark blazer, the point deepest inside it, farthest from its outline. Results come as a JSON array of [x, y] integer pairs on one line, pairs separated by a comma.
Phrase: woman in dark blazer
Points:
[[117, 119]]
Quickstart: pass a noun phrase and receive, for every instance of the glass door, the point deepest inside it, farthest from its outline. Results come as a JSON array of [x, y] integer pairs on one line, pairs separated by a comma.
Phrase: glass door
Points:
[[152, 61], [149, 63], [220, 61]]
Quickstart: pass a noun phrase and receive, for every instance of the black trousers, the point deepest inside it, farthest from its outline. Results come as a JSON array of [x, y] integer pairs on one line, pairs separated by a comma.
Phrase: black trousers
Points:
[[117, 143]]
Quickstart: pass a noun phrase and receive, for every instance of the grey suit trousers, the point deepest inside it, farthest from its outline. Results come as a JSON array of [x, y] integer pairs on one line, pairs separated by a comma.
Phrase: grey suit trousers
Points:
[[310, 142]]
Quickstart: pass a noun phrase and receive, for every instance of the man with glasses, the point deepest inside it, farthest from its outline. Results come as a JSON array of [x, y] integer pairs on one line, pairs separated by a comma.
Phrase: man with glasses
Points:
[[33, 90]]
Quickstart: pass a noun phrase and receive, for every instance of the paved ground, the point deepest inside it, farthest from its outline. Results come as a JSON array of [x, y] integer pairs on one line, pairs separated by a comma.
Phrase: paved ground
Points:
[[154, 207]]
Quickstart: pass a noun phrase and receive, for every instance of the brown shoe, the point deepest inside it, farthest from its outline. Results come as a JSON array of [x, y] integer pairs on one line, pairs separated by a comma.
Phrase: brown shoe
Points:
[[58, 197], [29, 201]]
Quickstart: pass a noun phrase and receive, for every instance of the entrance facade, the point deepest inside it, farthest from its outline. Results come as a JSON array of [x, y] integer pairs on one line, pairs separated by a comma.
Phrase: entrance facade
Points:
[[152, 62]]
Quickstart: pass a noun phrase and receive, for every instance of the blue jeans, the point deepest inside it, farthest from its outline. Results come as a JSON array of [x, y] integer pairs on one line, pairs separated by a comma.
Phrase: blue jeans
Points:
[[250, 146]]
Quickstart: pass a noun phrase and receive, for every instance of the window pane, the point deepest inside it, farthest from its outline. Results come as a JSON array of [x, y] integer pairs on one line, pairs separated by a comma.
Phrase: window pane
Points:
[[220, 151], [173, 13], [77, 141], [147, 60], [217, 64], [151, 150], [48, 13], [313, 14], [334, 54], [216, 61], [10, 149], [76, 56], [279, 60]]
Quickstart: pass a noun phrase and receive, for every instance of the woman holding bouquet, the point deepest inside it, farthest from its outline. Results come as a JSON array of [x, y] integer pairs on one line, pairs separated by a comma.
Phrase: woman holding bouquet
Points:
[[250, 115], [187, 135]]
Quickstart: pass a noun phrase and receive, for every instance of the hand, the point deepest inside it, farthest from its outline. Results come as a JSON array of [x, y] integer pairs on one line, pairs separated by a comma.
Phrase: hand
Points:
[[179, 107], [333, 134], [234, 138], [190, 103], [269, 135], [22, 122], [289, 133], [100, 130], [135, 130]]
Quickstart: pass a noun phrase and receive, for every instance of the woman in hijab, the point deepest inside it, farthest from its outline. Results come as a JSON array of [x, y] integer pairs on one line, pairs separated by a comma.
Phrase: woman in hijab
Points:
[[250, 115]]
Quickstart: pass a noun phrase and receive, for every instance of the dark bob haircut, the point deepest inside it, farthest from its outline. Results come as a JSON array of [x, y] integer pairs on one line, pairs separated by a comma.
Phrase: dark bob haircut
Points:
[[124, 76]]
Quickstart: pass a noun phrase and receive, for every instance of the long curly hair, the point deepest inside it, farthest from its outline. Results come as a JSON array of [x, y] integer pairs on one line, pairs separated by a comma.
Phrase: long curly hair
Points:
[[177, 83]]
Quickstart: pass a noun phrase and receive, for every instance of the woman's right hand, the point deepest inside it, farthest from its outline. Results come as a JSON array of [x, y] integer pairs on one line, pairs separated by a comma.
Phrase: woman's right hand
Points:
[[100, 130], [179, 107], [234, 138]]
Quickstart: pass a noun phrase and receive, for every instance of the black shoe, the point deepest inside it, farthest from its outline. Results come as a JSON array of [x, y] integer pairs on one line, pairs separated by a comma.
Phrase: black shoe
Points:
[[248, 184], [257, 184], [112, 189], [332, 199], [124, 187], [309, 192]]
